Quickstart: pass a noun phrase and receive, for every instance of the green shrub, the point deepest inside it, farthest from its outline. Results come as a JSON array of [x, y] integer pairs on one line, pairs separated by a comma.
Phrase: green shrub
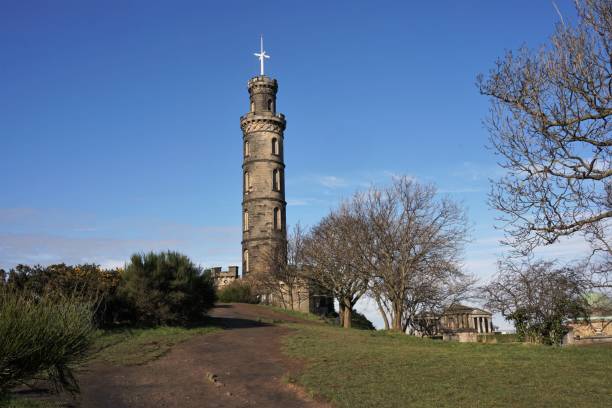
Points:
[[237, 292], [42, 335], [359, 321], [85, 282], [166, 288]]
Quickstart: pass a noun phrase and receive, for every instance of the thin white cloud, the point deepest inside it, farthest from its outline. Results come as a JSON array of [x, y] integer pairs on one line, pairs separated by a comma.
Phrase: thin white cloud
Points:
[[477, 172], [8, 215], [298, 201], [332, 182], [483, 267], [566, 250], [47, 249], [358, 179], [460, 190], [51, 236], [482, 254]]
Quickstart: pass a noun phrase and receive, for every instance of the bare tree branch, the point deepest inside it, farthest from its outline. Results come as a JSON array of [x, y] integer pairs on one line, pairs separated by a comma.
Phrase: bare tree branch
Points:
[[412, 243], [550, 124]]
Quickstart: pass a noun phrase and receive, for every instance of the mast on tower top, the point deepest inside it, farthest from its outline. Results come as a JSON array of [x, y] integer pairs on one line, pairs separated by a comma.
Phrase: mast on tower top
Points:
[[262, 56]]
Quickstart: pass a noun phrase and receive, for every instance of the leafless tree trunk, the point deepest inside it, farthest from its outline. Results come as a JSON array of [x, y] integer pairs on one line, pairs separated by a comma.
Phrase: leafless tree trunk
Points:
[[550, 124], [411, 241], [341, 313], [334, 261], [285, 279], [381, 310]]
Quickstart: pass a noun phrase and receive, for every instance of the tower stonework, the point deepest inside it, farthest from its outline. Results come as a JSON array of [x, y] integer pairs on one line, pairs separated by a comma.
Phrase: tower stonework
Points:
[[263, 192]]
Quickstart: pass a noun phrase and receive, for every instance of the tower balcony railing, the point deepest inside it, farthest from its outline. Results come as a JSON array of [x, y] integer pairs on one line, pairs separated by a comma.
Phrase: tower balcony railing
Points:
[[262, 78], [263, 114]]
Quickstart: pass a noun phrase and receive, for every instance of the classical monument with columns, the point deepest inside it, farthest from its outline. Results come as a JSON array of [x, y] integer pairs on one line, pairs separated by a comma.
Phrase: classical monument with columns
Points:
[[459, 323], [460, 317]]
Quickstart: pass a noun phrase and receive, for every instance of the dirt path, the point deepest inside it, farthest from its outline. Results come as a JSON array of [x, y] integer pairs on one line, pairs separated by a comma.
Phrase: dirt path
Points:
[[245, 359]]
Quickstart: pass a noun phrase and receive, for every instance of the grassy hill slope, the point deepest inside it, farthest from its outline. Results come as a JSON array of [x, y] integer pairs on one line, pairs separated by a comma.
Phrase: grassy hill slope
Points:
[[354, 368]]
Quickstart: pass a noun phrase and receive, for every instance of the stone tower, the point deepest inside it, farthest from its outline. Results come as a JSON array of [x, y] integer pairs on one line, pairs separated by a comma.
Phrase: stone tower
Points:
[[263, 171]]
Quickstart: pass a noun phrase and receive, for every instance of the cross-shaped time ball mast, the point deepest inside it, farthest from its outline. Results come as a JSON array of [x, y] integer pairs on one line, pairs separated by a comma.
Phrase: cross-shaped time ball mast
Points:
[[262, 56]]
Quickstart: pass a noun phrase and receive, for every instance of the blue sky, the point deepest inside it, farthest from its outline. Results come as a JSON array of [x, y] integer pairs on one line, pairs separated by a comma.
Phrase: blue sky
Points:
[[119, 120]]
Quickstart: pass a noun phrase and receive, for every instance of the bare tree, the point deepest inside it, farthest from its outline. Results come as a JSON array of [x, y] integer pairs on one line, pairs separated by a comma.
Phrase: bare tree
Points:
[[335, 263], [284, 281], [539, 297], [550, 124], [437, 293], [412, 242]]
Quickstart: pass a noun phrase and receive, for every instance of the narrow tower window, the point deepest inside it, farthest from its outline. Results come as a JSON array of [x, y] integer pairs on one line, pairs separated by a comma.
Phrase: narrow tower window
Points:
[[252, 106], [278, 222], [275, 146], [276, 180], [245, 260], [246, 220], [247, 182], [270, 105], [247, 149]]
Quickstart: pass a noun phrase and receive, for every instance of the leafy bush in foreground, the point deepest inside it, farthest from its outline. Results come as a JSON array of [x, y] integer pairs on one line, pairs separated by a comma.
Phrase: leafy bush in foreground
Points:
[[238, 291], [166, 288], [42, 335], [84, 283]]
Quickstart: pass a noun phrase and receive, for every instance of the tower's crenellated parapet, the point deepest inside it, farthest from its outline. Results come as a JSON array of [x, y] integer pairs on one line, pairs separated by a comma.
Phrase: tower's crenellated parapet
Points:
[[262, 92], [263, 203]]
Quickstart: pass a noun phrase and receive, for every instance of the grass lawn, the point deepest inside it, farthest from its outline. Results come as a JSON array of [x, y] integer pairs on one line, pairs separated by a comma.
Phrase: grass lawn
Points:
[[354, 368], [139, 346]]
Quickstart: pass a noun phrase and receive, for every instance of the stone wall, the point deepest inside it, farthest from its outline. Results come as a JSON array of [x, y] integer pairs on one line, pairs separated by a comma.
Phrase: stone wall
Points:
[[307, 298], [224, 278], [597, 330]]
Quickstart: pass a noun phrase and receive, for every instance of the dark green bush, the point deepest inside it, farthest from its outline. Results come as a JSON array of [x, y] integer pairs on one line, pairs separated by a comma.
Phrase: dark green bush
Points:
[[166, 288], [237, 292], [359, 321], [42, 337], [86, 283]]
